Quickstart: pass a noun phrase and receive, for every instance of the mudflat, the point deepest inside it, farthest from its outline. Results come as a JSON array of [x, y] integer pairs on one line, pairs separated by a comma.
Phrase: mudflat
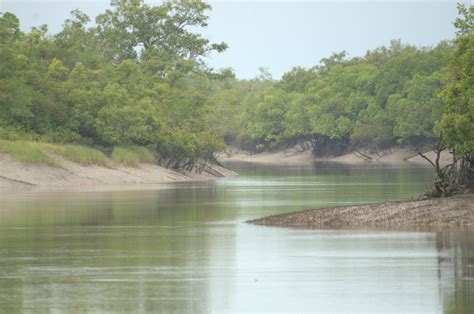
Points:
[[454, 211]]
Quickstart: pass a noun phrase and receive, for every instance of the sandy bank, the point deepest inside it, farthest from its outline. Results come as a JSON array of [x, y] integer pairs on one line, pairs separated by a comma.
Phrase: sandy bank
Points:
[[442, 212], [292, 156], [288, 156], [17, 175]]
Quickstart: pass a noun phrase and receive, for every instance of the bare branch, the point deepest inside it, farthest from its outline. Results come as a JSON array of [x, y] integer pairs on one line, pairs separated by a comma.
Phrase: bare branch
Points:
[[427, 159]]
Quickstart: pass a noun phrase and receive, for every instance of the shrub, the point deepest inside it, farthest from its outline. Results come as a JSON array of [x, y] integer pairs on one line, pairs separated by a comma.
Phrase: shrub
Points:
[[144, 154], [125, 157]]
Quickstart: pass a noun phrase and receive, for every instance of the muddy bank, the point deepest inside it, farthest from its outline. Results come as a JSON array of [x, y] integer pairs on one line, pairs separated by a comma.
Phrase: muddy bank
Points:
[[396, 156], [17, 175], [455, 211]]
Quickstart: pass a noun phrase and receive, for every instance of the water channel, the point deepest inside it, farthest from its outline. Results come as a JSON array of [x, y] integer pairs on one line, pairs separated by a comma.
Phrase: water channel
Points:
[[185, 248]]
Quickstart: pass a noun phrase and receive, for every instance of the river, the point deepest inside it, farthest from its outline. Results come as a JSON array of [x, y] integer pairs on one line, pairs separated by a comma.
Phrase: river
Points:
[[184, 248]]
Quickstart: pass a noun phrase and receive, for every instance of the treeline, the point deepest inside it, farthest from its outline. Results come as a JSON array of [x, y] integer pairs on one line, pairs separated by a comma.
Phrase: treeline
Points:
[[401, 94], [137, 77], [389, 96]]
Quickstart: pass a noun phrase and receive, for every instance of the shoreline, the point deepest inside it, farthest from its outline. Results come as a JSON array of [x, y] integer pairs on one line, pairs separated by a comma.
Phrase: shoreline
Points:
[[21, 176], [454, 211], [396, 156]]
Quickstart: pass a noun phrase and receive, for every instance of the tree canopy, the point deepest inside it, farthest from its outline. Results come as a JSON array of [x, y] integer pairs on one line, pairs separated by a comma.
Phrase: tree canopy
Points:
[[136, 77], [458, 118], [139, 76]]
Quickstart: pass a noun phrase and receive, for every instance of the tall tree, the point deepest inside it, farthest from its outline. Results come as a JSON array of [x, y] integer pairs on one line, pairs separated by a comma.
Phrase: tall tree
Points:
[[132, 25], [457, 121]]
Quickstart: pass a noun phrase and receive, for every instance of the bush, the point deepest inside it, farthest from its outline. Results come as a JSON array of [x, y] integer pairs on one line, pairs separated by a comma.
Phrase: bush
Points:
[[144, 154], [12, 133], [62, 135], [26, 152]]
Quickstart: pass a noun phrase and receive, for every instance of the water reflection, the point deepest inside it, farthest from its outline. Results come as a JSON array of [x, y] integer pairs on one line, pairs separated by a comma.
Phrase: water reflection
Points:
[[185, 249], [457, 260]]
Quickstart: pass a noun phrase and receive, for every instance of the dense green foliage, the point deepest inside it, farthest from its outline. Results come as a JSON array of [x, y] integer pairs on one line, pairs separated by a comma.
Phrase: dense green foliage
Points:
[[387, 97], [138, 77], [399, 94], [457, 123]]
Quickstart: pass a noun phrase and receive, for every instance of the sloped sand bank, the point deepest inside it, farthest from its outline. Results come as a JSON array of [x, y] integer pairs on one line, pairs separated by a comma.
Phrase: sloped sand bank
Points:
[[16, 175], [394, 156]]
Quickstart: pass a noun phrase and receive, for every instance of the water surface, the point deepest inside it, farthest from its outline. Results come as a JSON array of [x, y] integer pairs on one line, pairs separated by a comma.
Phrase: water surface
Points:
[[185, 248]]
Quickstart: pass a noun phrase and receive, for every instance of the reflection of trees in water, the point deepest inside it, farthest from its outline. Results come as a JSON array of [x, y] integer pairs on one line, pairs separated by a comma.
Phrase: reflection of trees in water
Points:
[[56, 209], [456, 271], [115, 251], [158, 207], [134, 268], [111, 251]]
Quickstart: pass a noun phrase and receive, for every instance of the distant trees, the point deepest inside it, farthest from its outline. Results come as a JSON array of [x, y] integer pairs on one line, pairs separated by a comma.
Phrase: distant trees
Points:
[[399, 94], [389, 96]]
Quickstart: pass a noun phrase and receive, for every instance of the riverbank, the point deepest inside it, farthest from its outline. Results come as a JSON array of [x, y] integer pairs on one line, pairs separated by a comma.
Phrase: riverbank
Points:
[[20, 175], [454, 211], [393, 156]]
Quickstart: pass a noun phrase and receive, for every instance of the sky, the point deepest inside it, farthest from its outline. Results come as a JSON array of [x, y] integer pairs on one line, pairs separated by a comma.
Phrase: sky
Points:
[[280, 35]]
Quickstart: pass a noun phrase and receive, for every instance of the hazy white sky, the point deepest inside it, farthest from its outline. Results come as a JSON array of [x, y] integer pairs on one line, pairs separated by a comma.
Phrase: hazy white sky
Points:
[[283, 34]]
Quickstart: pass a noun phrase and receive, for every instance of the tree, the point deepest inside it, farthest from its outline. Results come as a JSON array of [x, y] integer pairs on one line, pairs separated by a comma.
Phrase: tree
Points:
[[75, 43], [16, 103], [457, 121], [132, 25], [458, 118], [138, 124], [296, 79], [418, 108], [9, 28]]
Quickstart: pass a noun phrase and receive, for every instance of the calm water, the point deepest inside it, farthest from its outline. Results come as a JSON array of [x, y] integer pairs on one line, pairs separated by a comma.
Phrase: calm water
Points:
[[185, 249]]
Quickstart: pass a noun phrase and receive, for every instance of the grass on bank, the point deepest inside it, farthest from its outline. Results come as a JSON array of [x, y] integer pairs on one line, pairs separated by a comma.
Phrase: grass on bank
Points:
[[82, 155], [132, 156], [37, 152], [26, 152], [85, 156]]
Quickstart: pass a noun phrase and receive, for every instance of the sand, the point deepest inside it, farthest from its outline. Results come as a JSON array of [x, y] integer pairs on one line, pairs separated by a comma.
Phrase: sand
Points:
[[288, 156], [396, 156], [17, 175], [455, 211]]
